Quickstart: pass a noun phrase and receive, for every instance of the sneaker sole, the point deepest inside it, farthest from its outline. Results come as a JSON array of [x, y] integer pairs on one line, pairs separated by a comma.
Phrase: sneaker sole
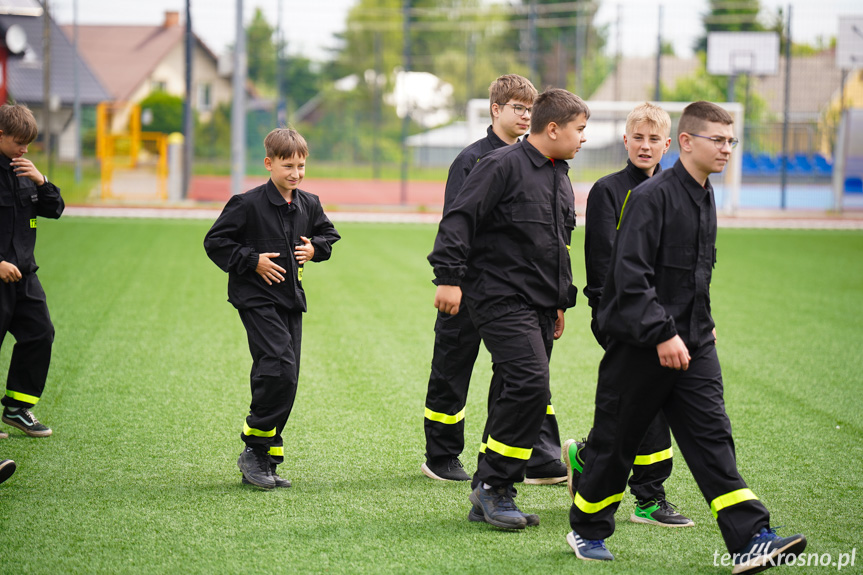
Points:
[[3, 435], [764, 563], [564, 454], [472, 515], [570, 538], [432, 475], [636, 519], [7, 468], [544, 480], [245, 481], [250, 482], [26, 429], [494, 522]]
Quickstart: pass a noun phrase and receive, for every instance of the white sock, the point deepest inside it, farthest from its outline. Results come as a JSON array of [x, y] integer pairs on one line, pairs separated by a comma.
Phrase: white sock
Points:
[[486, 486]]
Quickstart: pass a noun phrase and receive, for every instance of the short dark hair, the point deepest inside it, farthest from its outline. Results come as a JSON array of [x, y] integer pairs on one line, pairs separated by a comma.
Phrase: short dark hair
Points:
[[510, 87], [285, 143], [17, 121], [697, 114], [556, 105]]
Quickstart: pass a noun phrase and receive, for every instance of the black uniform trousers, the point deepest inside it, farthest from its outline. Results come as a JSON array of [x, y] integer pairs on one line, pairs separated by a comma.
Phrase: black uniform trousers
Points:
[[653, 461], [632, 387], [275, 336], [24, 314], [520, 345], [456, 348]]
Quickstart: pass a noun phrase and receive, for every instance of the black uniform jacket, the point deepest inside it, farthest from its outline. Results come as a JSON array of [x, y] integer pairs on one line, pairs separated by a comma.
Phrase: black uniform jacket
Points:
[[21, 201], [604, 204], [465, 162], [261, 221], [659, 282], [505, 239]]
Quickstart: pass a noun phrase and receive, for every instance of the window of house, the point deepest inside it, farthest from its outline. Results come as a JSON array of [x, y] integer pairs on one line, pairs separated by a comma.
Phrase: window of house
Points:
[[205, 97], [158, 86]]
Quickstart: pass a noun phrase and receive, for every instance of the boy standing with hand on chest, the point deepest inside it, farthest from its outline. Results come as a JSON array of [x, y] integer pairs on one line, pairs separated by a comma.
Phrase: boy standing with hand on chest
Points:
[[262, 239], [25, 194]]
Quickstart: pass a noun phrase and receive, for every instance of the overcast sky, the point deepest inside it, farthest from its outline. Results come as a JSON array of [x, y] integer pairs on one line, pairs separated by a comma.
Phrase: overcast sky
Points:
[[309, 24]]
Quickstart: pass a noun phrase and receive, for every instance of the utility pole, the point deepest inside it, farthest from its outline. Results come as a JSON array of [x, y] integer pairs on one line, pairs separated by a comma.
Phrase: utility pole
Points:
[[77, 105], [238, 107], [406, 121], [46, 87], [188, 114], [657, 92], [786, 119], [281, 108]]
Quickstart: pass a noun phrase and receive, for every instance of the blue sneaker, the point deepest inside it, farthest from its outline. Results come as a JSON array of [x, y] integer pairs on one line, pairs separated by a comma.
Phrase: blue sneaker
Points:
[[476, 514], [571, 455], [498, 508], [765, 550], [588, 549]]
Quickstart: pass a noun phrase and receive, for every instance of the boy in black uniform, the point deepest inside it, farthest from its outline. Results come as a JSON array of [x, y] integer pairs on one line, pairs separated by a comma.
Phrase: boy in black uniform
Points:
[[648, 128], [661, 354], [504, 245], [25, 194], [456, 339], [252, 240]]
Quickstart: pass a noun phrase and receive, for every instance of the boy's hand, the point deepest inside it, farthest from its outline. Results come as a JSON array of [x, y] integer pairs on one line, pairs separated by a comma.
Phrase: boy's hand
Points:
[[305, 252], [269, 270], [447, 299], [673, 354], [24, 167], [9, 273], [558, 324]]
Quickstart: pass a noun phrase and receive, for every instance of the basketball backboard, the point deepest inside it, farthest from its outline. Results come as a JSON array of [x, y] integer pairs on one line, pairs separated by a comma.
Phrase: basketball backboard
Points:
[[732, 53], [849, 46]]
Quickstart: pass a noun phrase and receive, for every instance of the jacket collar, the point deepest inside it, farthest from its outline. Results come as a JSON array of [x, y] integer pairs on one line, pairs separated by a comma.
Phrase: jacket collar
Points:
[[494, 139], [637, 173], [537, 157], [696, 191], [275, 196]]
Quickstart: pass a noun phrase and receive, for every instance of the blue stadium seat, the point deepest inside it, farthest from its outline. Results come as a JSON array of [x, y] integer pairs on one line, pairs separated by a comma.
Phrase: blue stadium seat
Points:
[[853, 186]]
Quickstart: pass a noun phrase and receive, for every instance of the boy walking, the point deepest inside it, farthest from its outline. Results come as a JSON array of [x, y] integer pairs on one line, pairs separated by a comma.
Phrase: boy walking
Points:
[[502, 252], [661, 354], [262, 239], [457, 341], [25, 195], [647, 138]]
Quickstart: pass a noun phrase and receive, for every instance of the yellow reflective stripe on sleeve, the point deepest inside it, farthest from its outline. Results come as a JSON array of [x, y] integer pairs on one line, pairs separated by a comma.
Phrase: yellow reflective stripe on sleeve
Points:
[[568, 248], [653, 457], [257, 432], [549, 410], [277, 451], [730, 499], [588, 507], [508, 450], [443, 417], [623, 207], [22, 396], [300, 274], [33, 223]]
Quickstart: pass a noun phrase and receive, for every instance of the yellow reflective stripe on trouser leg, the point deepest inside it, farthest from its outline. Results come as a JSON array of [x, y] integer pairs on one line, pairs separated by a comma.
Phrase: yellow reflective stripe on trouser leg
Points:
[[443, 417], [22, 396], [549, 410], [508, 450], [653, 457], [588, 507], [482, 447], [277, 451], [730, 499], [257, 432]]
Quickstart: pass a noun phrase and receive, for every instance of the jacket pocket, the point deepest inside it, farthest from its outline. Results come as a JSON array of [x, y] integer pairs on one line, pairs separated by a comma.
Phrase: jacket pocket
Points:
[[675, 274], [533, 212]]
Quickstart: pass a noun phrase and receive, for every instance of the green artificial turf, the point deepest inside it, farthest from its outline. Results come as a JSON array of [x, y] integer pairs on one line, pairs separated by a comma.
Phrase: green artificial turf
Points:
[[148, 389]]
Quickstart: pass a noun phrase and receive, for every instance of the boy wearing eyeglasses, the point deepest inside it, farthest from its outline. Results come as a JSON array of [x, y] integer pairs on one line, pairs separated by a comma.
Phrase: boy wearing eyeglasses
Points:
[[457, 341], [647, 138], [661, 355]]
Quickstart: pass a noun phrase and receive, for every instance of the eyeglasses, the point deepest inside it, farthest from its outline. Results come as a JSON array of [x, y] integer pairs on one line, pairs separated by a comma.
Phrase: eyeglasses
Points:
[[519, 110], [719, 142]]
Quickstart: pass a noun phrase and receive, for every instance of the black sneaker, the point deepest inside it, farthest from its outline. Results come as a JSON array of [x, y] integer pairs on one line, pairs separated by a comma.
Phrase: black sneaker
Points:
[[659, 512], [572, 456], [255, 466], [476, 514], [7, 468], [765, 550], [445, 469], [498, 508], [280, 481], [551, 473], [25, 421]]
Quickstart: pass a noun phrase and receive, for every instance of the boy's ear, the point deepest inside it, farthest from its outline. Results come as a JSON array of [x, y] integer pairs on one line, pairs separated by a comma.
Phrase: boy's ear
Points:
[[268, 163], [685, 142], [551, 130]]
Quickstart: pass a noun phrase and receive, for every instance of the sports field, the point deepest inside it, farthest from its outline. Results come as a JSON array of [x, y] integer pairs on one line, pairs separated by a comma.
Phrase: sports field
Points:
[[148, 389]]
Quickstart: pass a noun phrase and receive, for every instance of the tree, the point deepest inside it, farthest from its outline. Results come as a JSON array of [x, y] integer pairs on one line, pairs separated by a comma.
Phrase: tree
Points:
[[165, 111], [730, 16]]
